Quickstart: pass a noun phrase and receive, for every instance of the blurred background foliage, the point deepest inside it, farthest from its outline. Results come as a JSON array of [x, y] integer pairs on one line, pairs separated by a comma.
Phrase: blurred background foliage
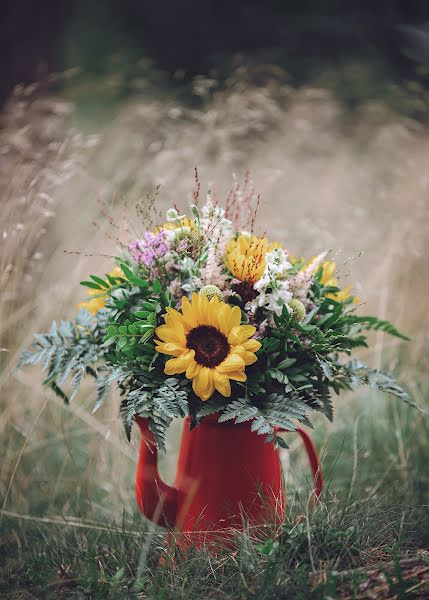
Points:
[[388, 40]]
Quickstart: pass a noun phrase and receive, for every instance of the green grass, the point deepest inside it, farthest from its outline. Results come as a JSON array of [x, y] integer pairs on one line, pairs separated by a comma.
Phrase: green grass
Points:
[[309, 556], [370, 530]]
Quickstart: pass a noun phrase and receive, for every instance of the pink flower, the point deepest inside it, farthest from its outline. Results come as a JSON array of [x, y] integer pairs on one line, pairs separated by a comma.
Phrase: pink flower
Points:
[[150, 249]]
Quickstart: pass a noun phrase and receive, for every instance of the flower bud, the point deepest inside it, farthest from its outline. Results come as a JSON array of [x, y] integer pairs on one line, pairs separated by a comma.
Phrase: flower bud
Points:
[[210, 291], [298, 310]]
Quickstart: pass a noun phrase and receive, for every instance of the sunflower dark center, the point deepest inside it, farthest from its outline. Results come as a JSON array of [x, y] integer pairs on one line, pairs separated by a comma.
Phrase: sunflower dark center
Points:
[[210, 345], [246, 291]]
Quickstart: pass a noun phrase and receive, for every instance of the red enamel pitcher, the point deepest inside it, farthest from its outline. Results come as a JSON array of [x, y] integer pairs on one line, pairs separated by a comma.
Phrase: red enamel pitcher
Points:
[[226, 475]]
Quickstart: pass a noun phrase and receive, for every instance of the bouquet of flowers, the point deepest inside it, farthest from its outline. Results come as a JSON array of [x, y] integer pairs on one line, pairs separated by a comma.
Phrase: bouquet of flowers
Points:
[[201, 316]]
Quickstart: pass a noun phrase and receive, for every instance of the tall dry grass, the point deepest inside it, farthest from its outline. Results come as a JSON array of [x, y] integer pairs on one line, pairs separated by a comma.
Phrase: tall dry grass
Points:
[[328, 178]]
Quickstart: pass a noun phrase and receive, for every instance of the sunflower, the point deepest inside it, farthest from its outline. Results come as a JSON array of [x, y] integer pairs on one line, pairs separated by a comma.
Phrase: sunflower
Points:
[[97, 299], [245, 257], [208, 344]]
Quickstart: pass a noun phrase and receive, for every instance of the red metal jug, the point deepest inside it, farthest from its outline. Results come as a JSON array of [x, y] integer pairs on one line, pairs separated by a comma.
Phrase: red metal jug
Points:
[[226, 475]]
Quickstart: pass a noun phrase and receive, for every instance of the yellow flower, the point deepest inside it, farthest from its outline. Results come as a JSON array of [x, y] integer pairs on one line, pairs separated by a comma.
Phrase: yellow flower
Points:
[[343, 295], [328, 270], [245, 257], [208, 344], [98, 297], [328, 280], [186, 224]]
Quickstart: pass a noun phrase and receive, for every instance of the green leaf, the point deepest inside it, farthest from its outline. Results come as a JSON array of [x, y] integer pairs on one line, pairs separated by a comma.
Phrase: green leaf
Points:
[[108, 341], [122, 342], [100, 281], [287, 362], [378, 324], [142, 314], [127, 272], [114, 280], [280, 442], [91, 284]]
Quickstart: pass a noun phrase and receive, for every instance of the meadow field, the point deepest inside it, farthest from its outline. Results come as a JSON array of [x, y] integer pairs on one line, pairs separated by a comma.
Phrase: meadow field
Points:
[[330, 176]]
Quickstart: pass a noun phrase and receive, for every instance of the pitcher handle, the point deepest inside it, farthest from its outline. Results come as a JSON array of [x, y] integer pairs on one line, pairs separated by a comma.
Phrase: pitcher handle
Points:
[[156, 499], [313, 459]]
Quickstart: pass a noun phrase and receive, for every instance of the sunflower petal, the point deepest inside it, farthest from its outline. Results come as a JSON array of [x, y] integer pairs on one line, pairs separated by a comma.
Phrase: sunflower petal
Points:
[[251, 345], [240, 333], [248, 357], [180, 364], [192, 369], [223, 319], [202, 384], [237, 375], [188, 314], [213, 311], [174, 334], [234, 318], [171, 349], [233, 362], [221, 383]]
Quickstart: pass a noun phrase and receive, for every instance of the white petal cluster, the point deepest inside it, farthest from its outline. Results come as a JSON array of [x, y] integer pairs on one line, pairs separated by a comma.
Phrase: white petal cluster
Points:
[[276, 298], [273, 287], [214, 221]]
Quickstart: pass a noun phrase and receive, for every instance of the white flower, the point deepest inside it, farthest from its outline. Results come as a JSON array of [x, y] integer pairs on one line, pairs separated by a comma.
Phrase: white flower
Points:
[[275, 269], [277, 263], [261, 285], [276, 299], [186, 263], [173, 215], [212, 212]]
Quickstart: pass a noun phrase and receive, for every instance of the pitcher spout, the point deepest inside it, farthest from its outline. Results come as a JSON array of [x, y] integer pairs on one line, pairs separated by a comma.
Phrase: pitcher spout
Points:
[[156, 499]]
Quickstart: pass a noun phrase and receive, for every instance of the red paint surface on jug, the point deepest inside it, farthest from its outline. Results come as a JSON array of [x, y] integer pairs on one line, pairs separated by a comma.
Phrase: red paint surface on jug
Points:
[[227, 475]]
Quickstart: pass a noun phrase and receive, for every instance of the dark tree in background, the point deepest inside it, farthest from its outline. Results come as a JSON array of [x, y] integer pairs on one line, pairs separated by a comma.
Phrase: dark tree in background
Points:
[[38, 36], [31, 40]]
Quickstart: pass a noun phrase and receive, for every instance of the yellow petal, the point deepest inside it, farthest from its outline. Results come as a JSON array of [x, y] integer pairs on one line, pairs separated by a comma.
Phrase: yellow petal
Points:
[[171, 334], [328, 270], [234, 317], [188, 315], [171, 349], [203, 305], [172, 317], [213, 311], [194, 306], [180, 364], [248, 357], [240, 333], [192, 370], [202, 384], [237, 375], [223, 319], [251, 345], [221, 383], [233, 362]]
